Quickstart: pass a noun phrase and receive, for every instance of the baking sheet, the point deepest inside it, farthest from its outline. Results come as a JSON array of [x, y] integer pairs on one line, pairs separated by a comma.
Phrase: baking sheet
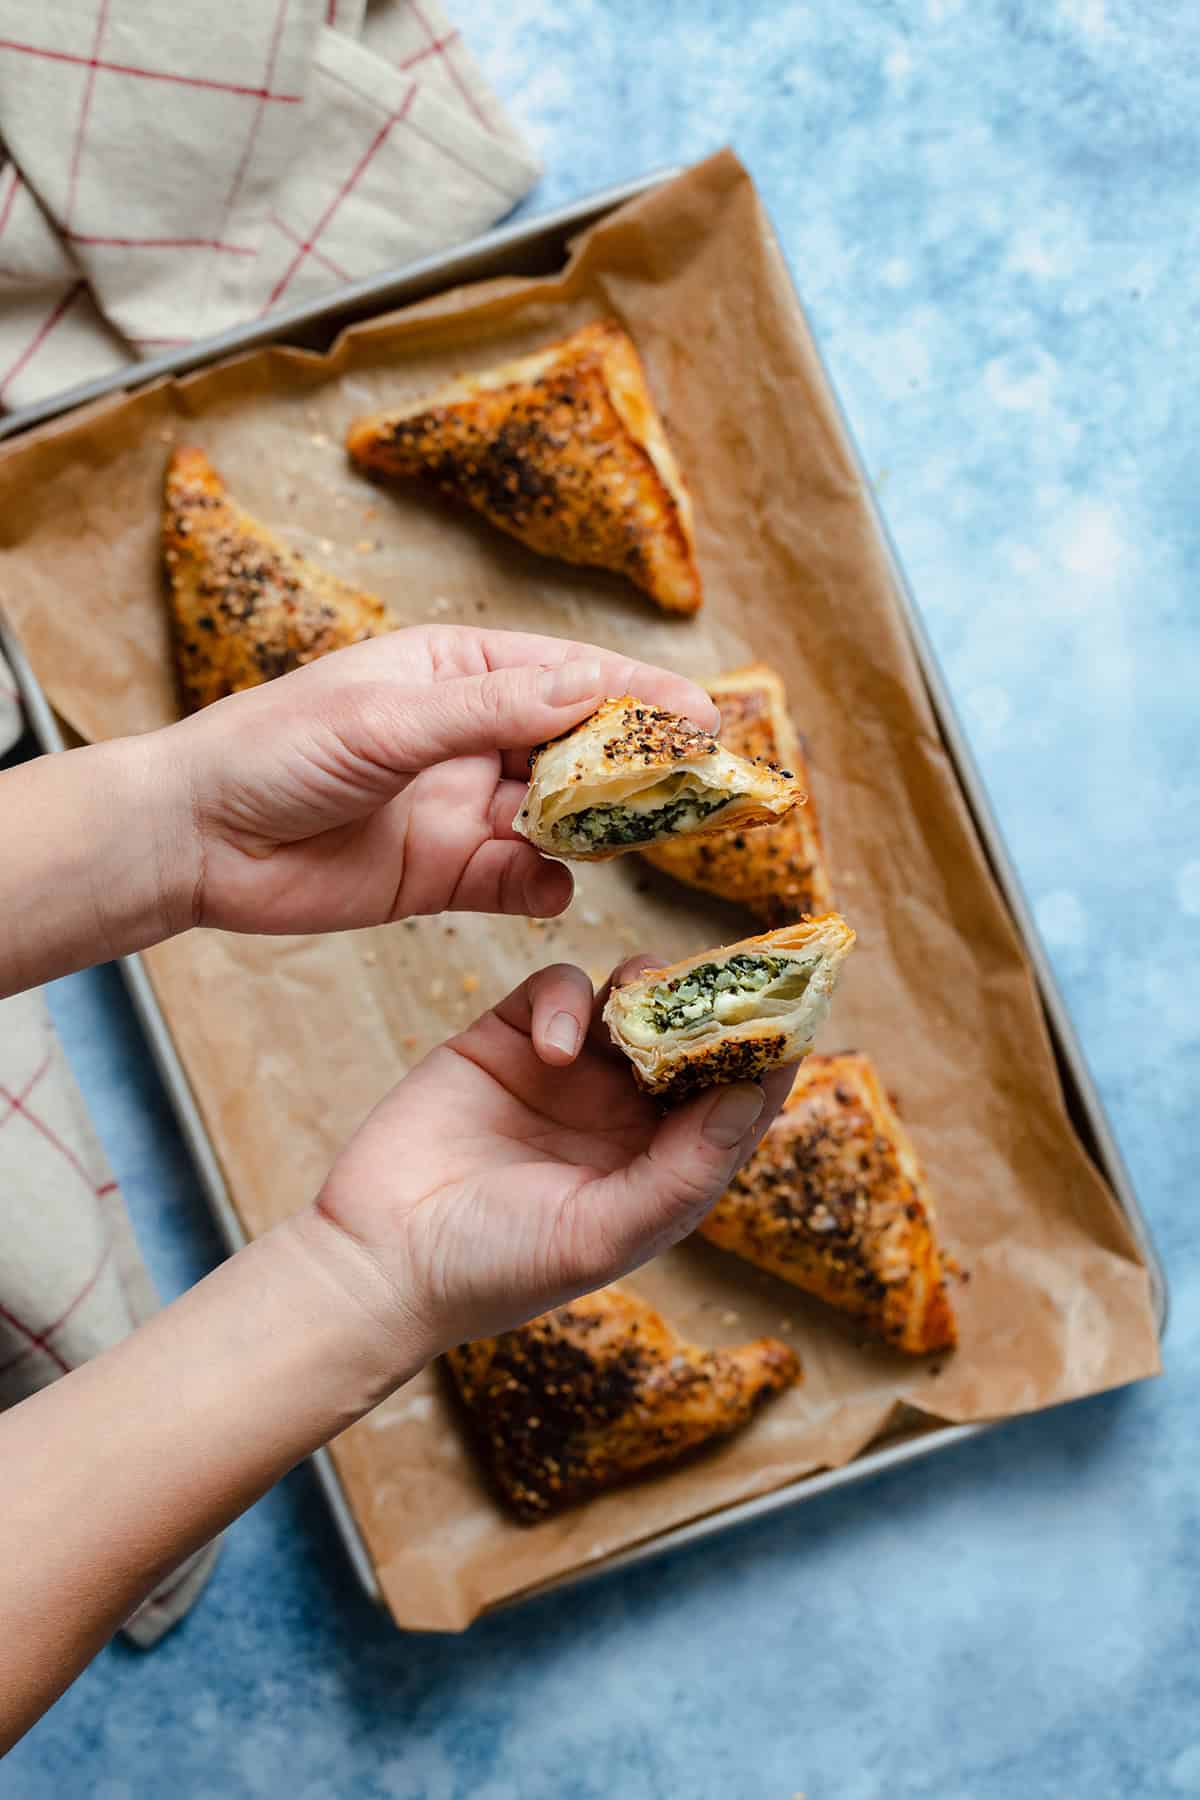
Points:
[[307, 1033]]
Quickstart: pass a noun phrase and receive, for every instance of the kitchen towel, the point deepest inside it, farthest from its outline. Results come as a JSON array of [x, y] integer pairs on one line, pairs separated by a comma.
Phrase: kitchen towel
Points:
[[176, 170], [71, 1279], [169, 172]]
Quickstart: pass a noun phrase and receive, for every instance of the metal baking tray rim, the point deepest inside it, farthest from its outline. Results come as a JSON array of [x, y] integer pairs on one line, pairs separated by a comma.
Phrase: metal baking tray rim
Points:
[[486, 255]]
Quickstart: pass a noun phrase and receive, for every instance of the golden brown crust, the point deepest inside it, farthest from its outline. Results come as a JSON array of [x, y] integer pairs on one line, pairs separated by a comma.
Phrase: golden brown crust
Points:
[[599, 1391], [834, 1201], [645, 736], [626, 744], [727, 1060], [244, 607], [563, 450], [778, 873]]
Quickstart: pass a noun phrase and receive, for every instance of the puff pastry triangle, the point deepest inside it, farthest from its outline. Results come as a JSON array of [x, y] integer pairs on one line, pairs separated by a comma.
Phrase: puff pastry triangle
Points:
[[601, 1390], [631, 774], [732, 1013], [244, 606], [834, 1200], [778, 874], [564, 450]]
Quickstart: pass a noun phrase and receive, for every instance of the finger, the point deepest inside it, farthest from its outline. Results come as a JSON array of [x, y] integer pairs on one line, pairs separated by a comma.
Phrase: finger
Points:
[[621, 674], [541, 994], [664, 1193], [629, 970], [510, 877], [460, 652], [776, 1087], [394, 731], [507, 801], [561, 1001], [452, 650], [515, 764]]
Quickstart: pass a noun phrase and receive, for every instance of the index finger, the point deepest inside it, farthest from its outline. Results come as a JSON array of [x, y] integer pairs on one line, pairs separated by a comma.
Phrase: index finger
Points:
[[621, 674]]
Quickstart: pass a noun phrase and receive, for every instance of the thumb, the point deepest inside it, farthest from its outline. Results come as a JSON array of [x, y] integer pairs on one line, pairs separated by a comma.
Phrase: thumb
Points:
[[407, 729], [664, 1193]]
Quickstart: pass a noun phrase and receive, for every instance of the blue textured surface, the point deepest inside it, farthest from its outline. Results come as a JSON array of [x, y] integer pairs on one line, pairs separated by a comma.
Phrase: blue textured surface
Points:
[[990, 206]]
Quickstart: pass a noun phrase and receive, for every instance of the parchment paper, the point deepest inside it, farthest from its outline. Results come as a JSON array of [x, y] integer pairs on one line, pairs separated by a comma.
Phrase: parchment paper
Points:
[[288, 1042]]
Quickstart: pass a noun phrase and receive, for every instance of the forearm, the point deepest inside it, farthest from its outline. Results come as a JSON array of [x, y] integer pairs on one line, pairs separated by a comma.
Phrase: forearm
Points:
[[118, 1471], [99, 858]]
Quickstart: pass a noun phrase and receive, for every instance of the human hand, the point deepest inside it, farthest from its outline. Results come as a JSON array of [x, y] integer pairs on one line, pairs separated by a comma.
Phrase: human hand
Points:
[[382, 781], [519, 1165], [516, 1167]]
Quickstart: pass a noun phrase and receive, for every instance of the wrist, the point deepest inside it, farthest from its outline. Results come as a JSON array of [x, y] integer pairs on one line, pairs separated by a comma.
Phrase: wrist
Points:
[[102, 857], [383, 1337], [155, 801]]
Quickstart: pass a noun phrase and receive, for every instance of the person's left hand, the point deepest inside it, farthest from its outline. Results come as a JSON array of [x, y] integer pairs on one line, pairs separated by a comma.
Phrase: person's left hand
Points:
[[519, 1166], [383, 780]]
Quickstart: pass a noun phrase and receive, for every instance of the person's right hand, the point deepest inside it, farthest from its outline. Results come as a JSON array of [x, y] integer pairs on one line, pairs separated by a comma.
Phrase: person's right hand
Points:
[[519, 1165], [382, 781]]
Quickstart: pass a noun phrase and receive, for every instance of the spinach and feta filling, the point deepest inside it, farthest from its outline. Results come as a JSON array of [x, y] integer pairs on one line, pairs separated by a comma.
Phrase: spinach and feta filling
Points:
[[598, 827], [725, 993]]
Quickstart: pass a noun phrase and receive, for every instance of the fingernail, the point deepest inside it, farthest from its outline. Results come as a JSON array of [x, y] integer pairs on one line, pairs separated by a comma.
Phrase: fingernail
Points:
[[562, 1033], [732, 1115], [639, 963], [571, 681]]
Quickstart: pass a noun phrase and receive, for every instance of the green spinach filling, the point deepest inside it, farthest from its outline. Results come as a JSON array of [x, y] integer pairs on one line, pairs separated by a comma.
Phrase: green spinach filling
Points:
[[673, 1005], [597, 827]]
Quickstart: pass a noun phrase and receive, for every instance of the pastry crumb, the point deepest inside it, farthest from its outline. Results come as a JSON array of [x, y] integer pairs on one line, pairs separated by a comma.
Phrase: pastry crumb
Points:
[[365, 544], [729, 1318], [437, 989], [470, 982], [370, 958], [410, 1043]]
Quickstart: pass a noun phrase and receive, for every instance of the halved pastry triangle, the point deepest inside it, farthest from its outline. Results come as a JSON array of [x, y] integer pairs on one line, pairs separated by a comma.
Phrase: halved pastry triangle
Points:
[[779, 873], [562, 449], [583, 1398], [729, 1014], [632, 774], [834, 1200], [244, 606]]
